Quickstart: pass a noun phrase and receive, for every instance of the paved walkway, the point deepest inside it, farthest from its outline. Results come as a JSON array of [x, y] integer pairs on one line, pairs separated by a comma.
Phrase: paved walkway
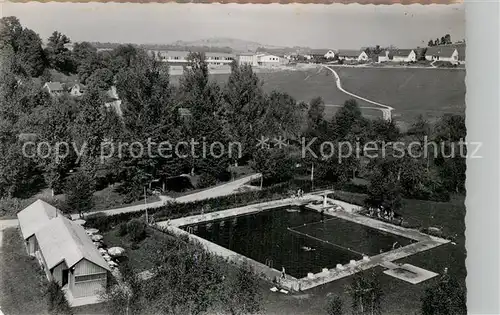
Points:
[[386, 110], [221, 190]]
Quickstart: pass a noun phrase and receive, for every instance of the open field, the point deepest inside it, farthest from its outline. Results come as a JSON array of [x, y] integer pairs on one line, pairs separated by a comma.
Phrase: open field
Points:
[[430, 92], [411, 91]]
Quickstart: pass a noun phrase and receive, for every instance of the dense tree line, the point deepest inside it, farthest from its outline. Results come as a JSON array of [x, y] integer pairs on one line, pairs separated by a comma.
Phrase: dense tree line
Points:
[[237, 111]]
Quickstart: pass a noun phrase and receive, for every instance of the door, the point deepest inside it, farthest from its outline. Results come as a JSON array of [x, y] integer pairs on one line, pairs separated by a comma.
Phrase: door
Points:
[[64, 277]]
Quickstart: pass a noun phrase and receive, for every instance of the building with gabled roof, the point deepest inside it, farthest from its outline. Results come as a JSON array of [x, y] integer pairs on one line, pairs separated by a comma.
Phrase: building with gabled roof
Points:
[[54, 88], [68, 256], [33, 218], [346, 54], [403, 55], [447, 53]]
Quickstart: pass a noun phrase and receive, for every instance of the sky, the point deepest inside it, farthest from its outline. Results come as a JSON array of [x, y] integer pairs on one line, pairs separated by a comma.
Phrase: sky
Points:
[[335, 26]]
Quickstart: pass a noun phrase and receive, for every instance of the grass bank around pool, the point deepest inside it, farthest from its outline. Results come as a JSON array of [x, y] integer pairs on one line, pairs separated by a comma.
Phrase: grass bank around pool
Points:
[[22, 281]]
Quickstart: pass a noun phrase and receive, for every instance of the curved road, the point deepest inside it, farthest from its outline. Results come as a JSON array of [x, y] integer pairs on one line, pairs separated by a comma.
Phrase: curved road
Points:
[[385, 109]]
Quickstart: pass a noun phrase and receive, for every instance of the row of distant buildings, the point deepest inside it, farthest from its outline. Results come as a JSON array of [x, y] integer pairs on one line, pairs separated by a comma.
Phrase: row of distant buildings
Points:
[[454, 54]]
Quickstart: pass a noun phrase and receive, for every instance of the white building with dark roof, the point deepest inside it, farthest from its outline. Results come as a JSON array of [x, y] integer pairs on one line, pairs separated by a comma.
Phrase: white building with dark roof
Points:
[[352, 55], [403, 55], [447, 53]]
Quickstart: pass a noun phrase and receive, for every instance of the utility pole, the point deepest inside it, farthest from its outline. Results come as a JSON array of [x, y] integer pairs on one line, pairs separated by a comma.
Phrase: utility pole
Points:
[[146, 205]]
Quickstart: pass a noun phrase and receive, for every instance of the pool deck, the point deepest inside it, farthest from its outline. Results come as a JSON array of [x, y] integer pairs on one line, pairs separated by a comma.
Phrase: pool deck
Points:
[[423, 241]]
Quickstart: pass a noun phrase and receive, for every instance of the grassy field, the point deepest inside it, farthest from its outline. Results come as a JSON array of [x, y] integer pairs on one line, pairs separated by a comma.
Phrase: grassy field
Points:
[[411, 91], [22, 282], [430, 92]]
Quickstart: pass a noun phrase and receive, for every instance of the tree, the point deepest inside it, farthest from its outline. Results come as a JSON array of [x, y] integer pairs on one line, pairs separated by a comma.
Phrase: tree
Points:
[[334, 306], [79, 190], [136, 229], [436, 42], [349, 121], [56, 300], [316, 112], [100, 79], [243, 294], [430, 43], [276, 165], [18, 174], [447, 39], [25, 44], [447, 297], [59, 56], [385, 185], [450, 132], [366, 294], [244, 106]]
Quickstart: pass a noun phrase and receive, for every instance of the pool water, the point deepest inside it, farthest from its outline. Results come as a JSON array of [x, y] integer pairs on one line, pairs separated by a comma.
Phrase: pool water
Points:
[[296, 239]]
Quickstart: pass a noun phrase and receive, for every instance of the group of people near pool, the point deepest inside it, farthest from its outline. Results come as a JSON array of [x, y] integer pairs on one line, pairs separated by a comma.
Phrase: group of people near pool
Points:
[[300, 194]]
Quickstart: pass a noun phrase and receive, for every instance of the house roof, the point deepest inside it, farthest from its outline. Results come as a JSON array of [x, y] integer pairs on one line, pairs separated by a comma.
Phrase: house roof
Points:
[[401, 52], [35, 216], [321, 52], [184, 111], [64, 240], [247, 54], [349, 53], [72, 85], [441, 51], [54, 86], [461, 48], [178, 53], [216, 54]]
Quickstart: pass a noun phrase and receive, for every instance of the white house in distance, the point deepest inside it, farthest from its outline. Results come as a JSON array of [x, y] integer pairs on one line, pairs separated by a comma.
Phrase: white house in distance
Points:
[[76, 89], [268, 60], [351, 55], [176, 57], [54, 88], [442, 53], [403, 55], [323, 53], [247, 59]]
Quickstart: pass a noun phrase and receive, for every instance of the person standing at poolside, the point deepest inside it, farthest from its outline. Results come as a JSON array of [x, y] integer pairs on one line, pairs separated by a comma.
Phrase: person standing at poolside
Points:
[[283, 274]]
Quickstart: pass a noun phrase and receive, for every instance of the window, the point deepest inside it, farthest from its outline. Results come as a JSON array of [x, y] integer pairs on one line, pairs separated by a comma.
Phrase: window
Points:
[[90, 277]]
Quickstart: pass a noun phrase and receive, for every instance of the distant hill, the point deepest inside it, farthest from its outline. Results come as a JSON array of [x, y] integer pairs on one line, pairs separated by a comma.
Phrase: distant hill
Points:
[[237, 45], [216, 44]]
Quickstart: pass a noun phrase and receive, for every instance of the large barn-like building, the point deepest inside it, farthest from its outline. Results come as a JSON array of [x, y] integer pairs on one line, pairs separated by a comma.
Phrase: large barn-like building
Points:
[[64, 251]]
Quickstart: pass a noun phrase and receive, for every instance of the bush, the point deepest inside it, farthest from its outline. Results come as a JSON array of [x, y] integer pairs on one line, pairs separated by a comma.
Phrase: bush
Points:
[[136, 229], [122, 229], [56, 300], [334, 306], [206, 180]]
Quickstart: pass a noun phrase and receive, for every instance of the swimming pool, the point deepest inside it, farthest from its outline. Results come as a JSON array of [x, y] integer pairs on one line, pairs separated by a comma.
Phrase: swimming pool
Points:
[[300, 240]]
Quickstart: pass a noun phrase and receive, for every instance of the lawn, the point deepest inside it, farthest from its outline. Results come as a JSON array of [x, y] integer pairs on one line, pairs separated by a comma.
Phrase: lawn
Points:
[[22, 281], [411, 91], [304, 85], [142, 255], [430, 92]]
